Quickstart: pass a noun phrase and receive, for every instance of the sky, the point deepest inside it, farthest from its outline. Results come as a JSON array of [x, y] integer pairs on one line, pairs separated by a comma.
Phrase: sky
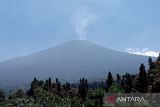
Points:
[[28, 26]]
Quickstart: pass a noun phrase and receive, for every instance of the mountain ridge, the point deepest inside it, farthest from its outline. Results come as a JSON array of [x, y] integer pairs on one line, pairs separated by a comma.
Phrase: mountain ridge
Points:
[[70, 41], [69, 62]]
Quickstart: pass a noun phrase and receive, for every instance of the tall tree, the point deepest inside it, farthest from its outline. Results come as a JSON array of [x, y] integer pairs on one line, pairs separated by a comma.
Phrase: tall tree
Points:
[[49, 83], [58, 85], [86, 84], [118, 79], [109, 81], [150, 63], [57, 80], [127, 82], [46, 86], [83, 88], [34, 84], [143, 79], [154, 77]]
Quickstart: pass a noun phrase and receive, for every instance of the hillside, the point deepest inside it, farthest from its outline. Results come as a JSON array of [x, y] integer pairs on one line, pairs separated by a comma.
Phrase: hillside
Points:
[[69, 62]]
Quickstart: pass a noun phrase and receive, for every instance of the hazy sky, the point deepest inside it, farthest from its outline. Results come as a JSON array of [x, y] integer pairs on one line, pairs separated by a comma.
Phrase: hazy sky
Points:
[[28, 26]]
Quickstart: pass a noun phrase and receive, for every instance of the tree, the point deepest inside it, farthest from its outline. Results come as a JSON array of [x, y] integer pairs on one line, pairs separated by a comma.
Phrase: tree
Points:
[[109, 81], [49, 83], [35, 79], [46, 86], [150, 63], [66, 86], [118, 79], [136, 84], [34, 84], [83, 88], [143, 79], [57, 81], [58, 85], [154, 77], [86, 84], [127, 82]]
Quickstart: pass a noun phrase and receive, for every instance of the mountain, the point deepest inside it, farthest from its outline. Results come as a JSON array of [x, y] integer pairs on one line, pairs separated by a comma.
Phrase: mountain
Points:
[[69, 62]]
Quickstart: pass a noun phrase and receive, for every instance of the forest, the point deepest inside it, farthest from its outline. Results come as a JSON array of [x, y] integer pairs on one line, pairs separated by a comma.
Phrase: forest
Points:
[[53, 93]]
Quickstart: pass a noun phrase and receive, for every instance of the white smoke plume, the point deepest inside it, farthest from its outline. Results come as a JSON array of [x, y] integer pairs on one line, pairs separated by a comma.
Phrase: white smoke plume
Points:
[[82, 19]]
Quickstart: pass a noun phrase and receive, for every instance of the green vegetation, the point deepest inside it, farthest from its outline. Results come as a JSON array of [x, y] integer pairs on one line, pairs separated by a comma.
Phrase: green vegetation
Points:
[[83, 94]]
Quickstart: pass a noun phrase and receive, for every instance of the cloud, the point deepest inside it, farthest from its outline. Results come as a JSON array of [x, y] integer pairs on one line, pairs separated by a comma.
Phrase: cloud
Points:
[[144, 52], [82, 19]]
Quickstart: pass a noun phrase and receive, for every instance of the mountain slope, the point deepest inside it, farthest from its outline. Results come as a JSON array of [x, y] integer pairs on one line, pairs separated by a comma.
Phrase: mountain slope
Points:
[[68, 61]]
